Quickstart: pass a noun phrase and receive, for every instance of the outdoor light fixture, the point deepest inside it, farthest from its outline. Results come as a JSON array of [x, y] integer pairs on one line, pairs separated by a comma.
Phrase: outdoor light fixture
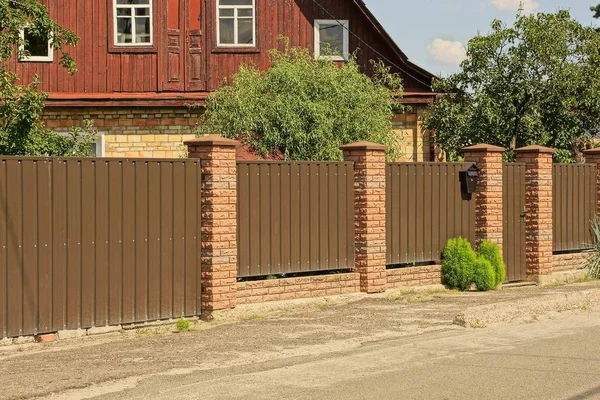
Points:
[[468, 178]]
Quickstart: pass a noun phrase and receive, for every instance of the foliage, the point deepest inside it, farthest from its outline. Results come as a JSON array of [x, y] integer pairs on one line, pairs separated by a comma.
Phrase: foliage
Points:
[[535, 82], [491, 252], [457, 264], [183, 325], [305, 108], [593, 262], [596, 10], [484, 276], [21, 131]]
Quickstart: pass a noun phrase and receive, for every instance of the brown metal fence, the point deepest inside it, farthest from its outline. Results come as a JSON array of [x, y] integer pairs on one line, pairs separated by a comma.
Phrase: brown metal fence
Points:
[[95, 242], [295, 217], [574, 205], [425, 208]]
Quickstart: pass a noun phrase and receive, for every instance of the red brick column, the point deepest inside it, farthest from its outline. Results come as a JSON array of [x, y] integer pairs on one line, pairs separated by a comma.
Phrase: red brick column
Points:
[[219, 224], [593, 157], [369, 213], [538, 198], [488, 197]]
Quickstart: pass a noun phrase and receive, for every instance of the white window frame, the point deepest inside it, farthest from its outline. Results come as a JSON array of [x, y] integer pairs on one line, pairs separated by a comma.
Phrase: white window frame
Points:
[[235, 9], [48, 58], [100, 146], [133, 7], [346, 39]]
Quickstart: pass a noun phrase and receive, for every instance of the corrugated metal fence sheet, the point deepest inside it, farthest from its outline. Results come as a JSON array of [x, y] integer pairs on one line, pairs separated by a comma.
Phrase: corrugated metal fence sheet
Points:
[[295, 217], [574, 205], [425, 208], [95, 242]]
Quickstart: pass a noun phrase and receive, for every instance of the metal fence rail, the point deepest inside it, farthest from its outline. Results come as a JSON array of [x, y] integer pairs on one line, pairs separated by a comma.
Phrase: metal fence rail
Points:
[[95, 242], [295, 217], [425, 208], [574, 205]]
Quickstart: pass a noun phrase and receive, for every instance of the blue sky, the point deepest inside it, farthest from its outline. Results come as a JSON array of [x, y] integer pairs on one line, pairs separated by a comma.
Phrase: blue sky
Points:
[[433, 32]]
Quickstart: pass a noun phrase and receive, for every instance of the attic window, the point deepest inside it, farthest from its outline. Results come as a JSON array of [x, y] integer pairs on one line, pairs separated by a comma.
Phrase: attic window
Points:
[[37, 48], [133, 22], [331, 39]]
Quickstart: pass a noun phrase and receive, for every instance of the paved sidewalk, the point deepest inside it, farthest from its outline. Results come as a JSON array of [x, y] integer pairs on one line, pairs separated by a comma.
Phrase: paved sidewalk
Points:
[[252, 346]]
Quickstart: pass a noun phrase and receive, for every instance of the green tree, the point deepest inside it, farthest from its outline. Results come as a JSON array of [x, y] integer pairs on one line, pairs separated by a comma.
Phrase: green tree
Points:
[[305, 108], [536, 82], [596, 10], [21, 130]]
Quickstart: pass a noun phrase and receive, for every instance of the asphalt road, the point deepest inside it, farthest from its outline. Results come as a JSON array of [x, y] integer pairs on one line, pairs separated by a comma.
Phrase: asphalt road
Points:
[[556, 358]]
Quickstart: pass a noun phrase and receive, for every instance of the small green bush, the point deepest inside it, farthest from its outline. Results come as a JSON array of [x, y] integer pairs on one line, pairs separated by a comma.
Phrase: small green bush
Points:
[[183, 325], [484, 275], [491, 252], [457, 264]]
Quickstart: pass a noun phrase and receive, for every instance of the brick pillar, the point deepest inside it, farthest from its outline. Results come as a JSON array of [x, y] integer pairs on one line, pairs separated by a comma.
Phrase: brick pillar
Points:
[[593, 157], [369, 213], [488, 197], [219, 224], [538, 199]]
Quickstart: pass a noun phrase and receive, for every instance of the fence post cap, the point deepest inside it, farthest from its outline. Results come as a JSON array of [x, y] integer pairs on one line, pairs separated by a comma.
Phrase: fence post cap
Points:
[[211, 140], [535, 149], [363, 146], [484, 147], [592, 152]]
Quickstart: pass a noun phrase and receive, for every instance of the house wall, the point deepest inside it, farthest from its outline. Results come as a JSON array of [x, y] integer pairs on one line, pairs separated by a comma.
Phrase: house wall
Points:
[[185, 57], [159, 132]]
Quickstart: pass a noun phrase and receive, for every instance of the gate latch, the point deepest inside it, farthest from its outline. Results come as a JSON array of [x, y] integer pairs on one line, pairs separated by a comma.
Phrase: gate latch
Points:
[[524, 212]]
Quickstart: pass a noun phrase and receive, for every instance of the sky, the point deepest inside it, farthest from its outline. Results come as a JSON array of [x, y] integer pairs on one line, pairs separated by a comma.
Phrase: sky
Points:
[[433, 33]]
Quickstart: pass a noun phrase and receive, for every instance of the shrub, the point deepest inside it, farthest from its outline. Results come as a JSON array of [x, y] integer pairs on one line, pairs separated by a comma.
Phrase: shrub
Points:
[[491, 252], [457, 264], [183, 325], [484, 275]]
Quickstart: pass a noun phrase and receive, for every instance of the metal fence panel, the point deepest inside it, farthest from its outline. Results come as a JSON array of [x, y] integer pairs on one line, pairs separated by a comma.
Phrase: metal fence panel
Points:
[[424, 208], [574, 205], [513, 232], [95, 242], [295, 217]]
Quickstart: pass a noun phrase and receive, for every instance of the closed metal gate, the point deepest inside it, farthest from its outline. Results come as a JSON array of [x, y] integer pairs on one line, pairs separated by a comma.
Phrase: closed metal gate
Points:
[[513, 201]]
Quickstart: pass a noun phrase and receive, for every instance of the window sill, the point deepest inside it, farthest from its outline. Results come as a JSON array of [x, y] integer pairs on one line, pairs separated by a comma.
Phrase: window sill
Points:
[[132, 49], [236, 50]]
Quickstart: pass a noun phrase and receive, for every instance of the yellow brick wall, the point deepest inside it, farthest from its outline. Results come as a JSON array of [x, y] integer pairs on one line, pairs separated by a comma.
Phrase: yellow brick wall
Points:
[[414, 143]]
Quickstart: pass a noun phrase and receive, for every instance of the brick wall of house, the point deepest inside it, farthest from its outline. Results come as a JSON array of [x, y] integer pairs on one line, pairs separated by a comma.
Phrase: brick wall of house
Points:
[[132, 132], [414, 142], [160, 132], [569, 261], [297, 288], [414, 276]]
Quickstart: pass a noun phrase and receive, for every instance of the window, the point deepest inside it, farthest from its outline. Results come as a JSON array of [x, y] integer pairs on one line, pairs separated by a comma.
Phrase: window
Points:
[[133, 22], [97, 147], [331, 39], [37, 47], [236, 23]]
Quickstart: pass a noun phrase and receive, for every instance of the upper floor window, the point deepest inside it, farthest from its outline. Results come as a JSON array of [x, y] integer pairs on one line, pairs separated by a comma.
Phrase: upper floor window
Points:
[[236, 23], [331, 39], [37, 47], [133, 22]]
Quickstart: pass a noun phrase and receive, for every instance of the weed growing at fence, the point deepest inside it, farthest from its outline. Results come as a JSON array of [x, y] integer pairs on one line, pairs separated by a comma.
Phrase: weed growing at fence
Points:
[[593, 263], [491, 252], [484, 276], [457, 266], [183, 325]]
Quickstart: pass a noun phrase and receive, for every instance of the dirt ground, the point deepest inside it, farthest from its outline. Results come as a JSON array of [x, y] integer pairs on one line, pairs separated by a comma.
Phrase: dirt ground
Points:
[[255, 334]]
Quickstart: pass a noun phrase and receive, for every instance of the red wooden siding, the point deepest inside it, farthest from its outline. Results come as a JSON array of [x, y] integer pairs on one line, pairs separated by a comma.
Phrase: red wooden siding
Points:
[[185, 57]]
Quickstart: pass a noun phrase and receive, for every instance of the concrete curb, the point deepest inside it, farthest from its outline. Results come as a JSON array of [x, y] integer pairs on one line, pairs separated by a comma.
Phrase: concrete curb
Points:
[[475, 317]]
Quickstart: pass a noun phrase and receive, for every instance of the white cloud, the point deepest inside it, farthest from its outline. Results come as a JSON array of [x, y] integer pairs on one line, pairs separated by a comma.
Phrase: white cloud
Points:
[[529, 6], [447, 51]]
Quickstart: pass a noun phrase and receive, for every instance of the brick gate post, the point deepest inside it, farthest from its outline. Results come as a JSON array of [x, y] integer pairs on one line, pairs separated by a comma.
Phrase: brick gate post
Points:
[[593, 157], [219, 221], [538, 198], [488, 197], [369, 214]]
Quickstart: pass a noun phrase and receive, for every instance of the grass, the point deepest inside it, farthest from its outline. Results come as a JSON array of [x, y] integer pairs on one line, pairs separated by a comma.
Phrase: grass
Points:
[[477, 324], [182, 325], [253, 317], [325, 304]]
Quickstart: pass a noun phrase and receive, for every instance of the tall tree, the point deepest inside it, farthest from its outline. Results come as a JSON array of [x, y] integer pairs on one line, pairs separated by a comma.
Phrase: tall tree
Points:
[[21, 106], [305, 108], [536, 82]]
